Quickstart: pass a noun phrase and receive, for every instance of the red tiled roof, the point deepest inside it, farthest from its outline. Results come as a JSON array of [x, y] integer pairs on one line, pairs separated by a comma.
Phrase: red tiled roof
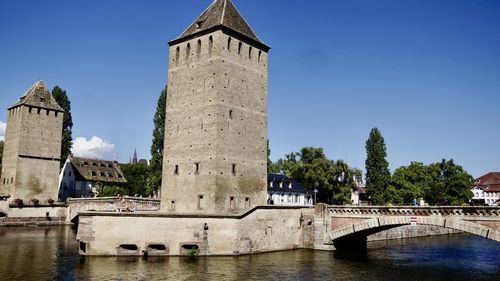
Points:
[[489, 182]]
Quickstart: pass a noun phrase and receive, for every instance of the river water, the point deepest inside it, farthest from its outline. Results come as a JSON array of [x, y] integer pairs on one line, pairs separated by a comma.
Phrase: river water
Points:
[[51, 253]]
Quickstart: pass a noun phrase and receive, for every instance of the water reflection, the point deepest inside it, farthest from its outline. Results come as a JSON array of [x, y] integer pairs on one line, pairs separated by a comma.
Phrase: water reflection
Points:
[[37, 253]]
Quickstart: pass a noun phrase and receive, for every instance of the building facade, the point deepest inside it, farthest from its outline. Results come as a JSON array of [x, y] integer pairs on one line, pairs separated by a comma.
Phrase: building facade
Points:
[[215, 155], [32, 151], [281, 190], [486, 189], [83, 177]]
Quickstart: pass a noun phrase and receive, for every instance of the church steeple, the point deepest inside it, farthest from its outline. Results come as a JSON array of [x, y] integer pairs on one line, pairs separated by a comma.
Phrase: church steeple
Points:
[[134, 159], [221, 14]]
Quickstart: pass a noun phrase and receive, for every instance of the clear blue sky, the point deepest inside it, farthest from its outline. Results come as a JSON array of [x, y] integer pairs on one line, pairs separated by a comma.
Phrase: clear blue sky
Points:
[[426, 72]]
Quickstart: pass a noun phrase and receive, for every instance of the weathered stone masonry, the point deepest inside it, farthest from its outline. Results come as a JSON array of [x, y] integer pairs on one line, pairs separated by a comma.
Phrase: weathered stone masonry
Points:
[[216, 129], [32, 146]]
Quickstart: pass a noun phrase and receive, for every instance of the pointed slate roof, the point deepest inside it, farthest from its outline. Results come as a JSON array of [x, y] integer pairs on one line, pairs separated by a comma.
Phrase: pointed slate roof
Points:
[[221, 13], [38, 96]]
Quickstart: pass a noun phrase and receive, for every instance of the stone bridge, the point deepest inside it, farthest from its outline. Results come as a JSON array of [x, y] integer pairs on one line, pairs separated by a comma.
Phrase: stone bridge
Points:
[[110, 204], [347, 227]]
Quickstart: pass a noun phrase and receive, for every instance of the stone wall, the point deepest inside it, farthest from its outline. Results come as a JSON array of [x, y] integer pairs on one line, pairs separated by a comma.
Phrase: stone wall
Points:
[[261, 230], [410, 231], [216, 129]]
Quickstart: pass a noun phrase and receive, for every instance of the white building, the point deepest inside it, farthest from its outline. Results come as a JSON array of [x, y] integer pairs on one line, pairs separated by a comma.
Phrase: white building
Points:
[[81, 177], [487, 189], [282, 190]]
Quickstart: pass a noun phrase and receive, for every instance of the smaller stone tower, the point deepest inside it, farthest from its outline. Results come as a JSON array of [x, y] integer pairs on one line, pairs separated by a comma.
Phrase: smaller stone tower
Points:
[[32, 146]]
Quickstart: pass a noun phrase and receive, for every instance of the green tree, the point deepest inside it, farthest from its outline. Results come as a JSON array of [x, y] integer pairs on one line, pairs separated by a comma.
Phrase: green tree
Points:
[[409, 183], [155, 176], [377, 168], [1, 151], [137, 178], [451, 184], [334, 180], [67, 140], [112, 191]]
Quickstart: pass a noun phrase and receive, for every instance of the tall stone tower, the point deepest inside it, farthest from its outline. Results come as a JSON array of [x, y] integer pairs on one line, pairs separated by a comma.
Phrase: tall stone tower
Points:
[[215, 156], [32, 146]]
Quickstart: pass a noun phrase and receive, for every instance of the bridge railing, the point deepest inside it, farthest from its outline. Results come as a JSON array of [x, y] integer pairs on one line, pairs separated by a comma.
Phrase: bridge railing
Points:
[[410, 210]]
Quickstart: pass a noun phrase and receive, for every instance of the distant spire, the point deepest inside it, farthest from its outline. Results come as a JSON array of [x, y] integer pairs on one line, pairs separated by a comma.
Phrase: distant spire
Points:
[[134, 159]]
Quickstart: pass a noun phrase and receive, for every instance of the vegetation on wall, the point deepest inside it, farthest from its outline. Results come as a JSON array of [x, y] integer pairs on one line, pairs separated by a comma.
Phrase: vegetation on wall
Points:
[[155, 176], [67, 139]]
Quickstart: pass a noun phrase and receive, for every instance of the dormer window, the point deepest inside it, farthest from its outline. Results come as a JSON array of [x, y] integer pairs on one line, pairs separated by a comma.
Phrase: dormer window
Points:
[[281, 184], [271, 184], [290, 185], [42, 99], [199, 24]]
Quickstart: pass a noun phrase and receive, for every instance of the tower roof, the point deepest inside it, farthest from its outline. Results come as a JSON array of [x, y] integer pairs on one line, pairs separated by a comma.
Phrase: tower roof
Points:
[[221, 13], [38, 96]]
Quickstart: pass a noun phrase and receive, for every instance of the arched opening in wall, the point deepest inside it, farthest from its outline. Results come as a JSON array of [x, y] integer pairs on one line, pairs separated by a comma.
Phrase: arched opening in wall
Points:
[[250, 53], [188, 51], [232, 202], [260, 54], [239, 48], [189, 250], [200, 201], [198, 49], [127, 249], [177, 54], [229, 44], [210, 45]]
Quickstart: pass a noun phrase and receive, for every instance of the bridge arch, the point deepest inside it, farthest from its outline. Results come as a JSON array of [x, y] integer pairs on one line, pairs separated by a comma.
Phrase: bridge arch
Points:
[[356, 234]]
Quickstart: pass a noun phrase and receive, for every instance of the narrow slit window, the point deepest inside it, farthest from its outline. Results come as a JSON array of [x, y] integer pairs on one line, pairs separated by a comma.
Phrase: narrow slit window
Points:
[[232, 202], [229, 44], [210, 45], [177, 54], [176, 170], [188, 50], [233, 169], [196, 168], [230, 114], [260, 54], [250, 53], [239, 48], [198, 50]]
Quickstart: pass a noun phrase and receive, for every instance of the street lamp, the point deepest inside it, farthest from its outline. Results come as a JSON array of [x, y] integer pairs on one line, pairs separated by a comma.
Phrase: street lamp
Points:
[[315, 191]]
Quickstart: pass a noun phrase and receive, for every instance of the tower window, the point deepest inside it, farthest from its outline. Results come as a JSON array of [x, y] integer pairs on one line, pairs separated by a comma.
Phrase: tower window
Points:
[[188, 50], [250, 53], [229, 44], [29, 109], [230, 114], [176, 170], [200, 201], [177, 54], [196, 168], [38, 111], [239, 48], [198, 24], [232, 202], [233, 169], [210, 45], [198, 49], [260, 54], [247, 202]]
